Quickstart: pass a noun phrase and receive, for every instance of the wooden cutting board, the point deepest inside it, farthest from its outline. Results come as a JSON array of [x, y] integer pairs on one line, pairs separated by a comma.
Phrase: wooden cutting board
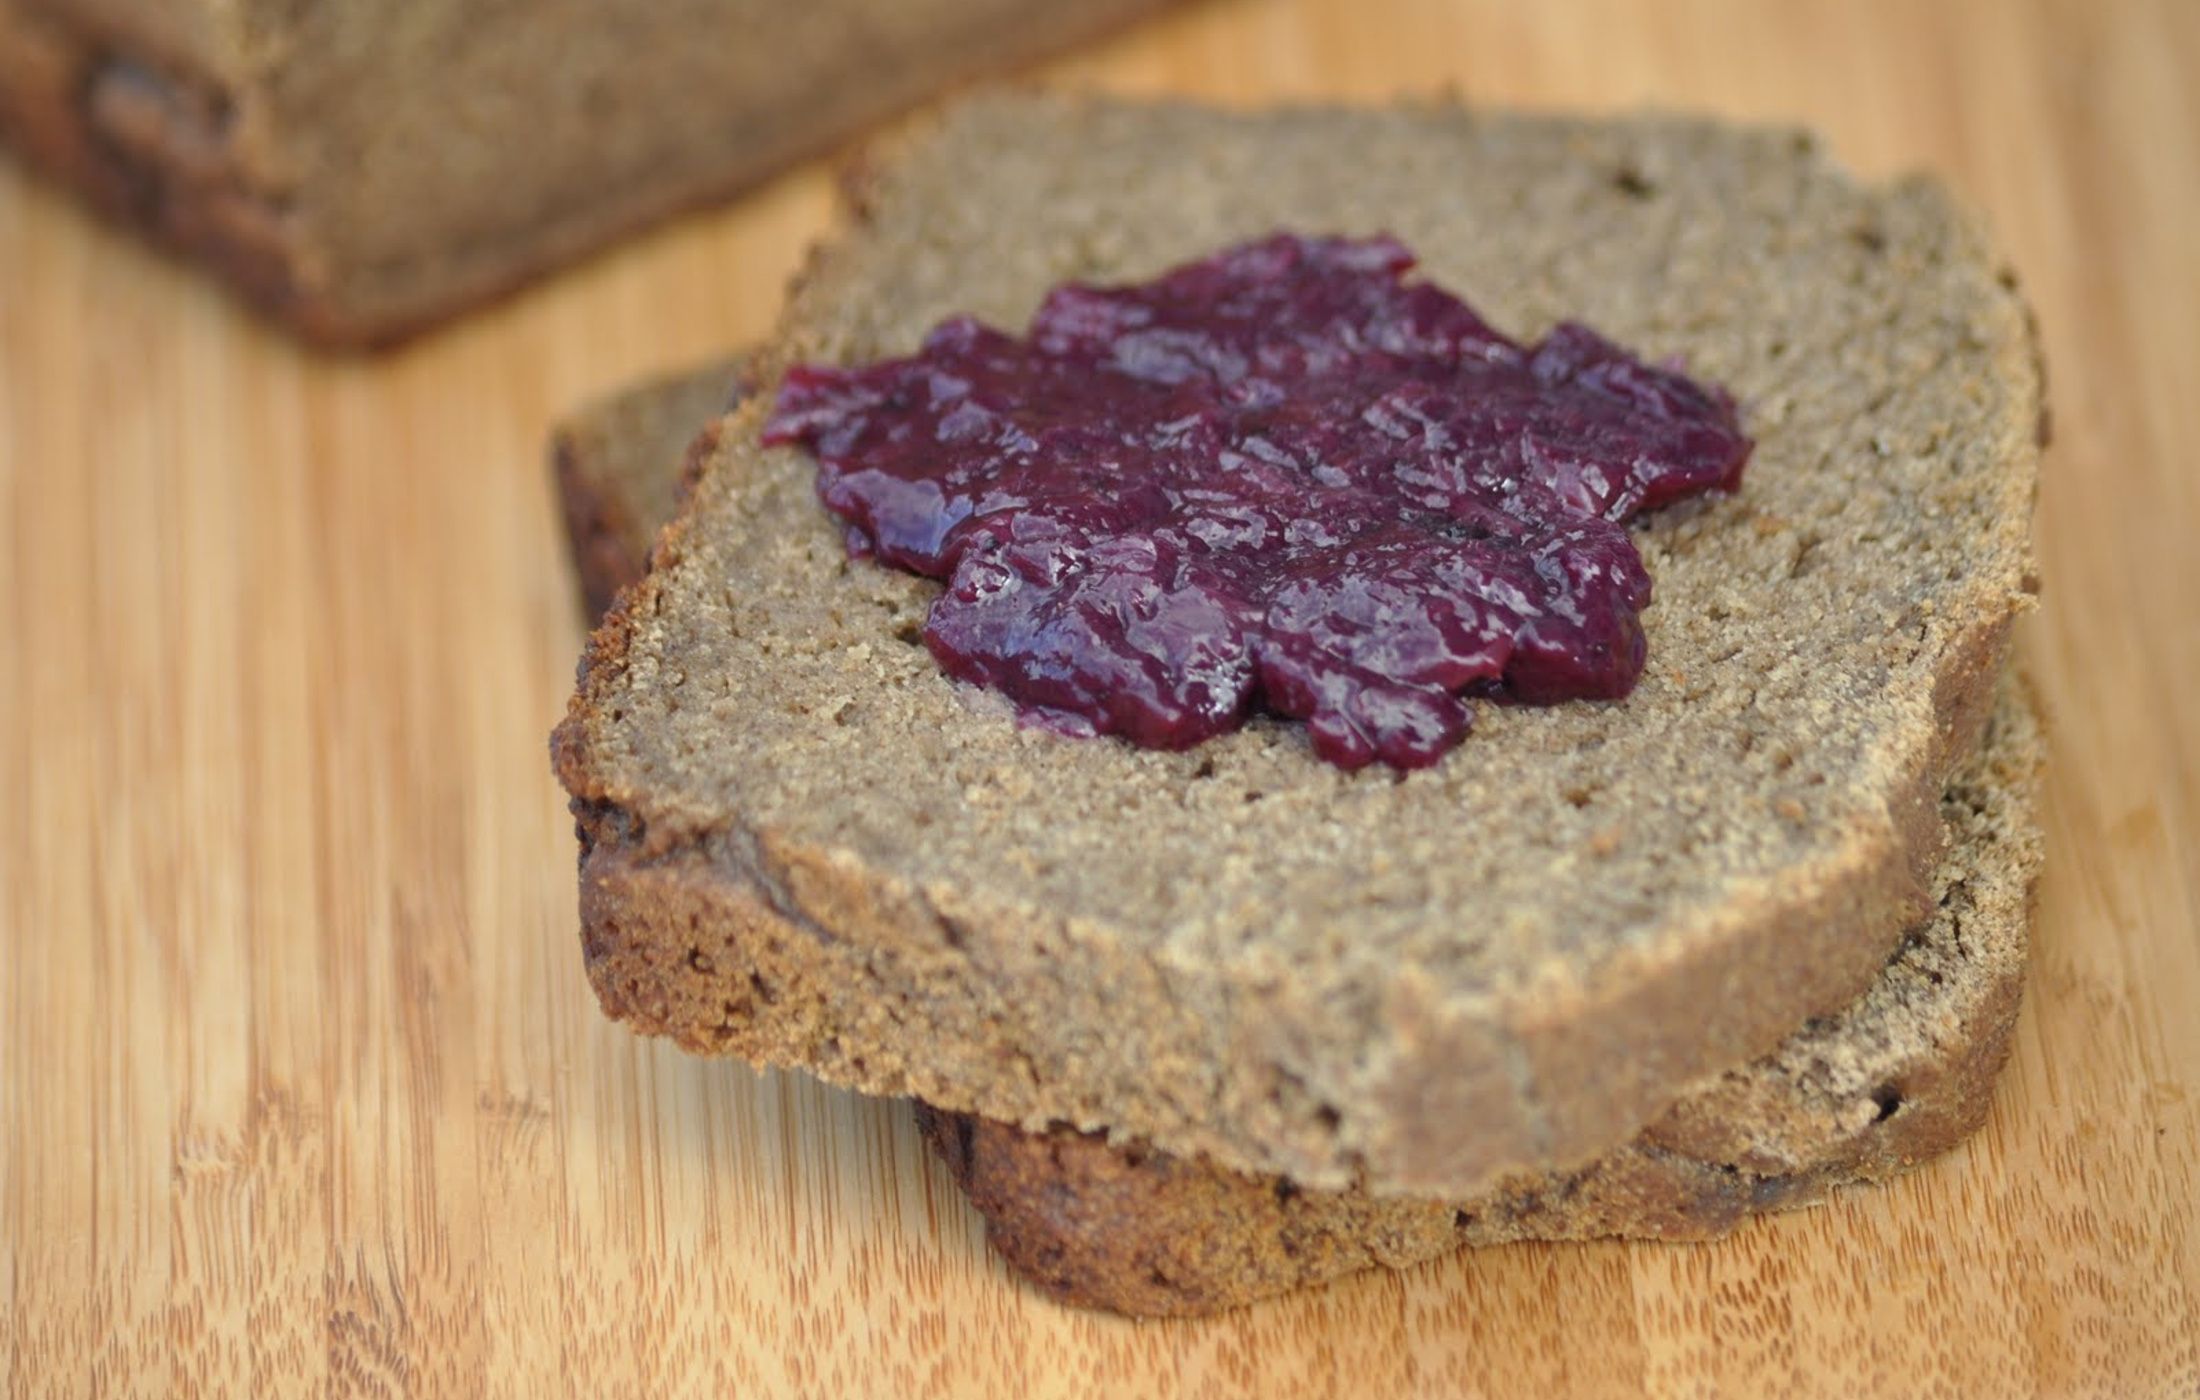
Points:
[[302, 1086]]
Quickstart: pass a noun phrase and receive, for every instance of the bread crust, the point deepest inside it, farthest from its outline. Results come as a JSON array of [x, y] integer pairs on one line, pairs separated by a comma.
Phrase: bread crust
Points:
[[867, 979]]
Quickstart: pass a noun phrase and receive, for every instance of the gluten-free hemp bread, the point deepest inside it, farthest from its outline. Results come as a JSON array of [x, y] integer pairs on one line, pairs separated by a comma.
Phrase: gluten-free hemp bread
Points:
[[1895, 1078], [360, 171], [802, 845]]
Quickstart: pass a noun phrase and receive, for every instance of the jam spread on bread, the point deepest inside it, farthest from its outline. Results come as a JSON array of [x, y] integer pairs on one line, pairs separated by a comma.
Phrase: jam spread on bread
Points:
[[1285, 478]]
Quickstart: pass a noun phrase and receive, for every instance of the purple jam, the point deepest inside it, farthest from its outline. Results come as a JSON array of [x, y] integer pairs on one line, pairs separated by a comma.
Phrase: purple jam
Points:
[[1283, 477]]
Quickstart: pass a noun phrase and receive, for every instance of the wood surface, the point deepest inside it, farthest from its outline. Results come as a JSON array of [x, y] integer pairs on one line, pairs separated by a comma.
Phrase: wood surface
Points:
[[303, 1089]]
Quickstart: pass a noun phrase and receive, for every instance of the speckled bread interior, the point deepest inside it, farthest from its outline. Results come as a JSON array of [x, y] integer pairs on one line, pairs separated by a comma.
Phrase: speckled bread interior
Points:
[[804, 846]]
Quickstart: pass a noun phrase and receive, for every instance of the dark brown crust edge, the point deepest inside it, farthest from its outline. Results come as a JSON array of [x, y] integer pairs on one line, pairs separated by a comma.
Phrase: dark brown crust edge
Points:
[[144, 144], [598, 530]]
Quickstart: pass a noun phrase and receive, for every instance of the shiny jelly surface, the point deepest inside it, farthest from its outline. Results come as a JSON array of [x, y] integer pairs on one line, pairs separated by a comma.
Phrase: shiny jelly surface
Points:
[[1283, 478]]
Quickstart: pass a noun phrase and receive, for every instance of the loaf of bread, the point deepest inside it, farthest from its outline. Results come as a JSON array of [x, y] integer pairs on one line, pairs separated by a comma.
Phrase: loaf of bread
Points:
[[1897, 1077], [804, 846], [361, 172]]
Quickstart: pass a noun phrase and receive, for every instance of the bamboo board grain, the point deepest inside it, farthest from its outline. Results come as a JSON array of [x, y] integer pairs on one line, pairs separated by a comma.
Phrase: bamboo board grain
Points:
[[302, 1087]]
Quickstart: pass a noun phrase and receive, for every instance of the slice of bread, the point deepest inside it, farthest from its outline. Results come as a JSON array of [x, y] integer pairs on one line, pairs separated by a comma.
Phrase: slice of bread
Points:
[[802, 845], [1898, 1076]]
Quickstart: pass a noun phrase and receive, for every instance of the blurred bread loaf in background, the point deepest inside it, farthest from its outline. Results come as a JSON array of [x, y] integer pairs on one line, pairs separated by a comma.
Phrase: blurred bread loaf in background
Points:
[[360, 172]]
